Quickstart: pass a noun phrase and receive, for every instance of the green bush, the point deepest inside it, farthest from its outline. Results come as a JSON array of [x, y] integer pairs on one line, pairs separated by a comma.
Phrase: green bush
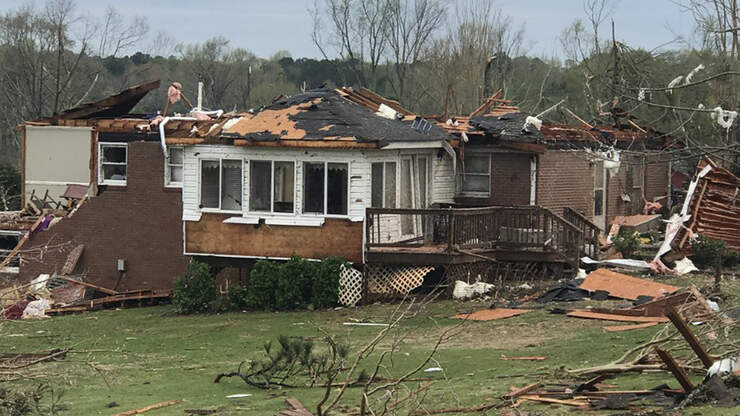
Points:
[[627, 242], [237, 295], [294, 284], [195, 291], [707, 251]]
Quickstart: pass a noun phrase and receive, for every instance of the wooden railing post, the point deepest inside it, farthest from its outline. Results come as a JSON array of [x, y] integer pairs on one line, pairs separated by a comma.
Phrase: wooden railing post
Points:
[[450, 230]]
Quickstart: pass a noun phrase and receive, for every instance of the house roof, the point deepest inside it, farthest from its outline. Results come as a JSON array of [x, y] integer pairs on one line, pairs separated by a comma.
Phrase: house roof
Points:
[[114, 106], [345, 117]]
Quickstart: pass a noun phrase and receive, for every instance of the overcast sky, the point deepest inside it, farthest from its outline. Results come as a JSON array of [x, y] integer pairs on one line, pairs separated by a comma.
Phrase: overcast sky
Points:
[[267, 26]]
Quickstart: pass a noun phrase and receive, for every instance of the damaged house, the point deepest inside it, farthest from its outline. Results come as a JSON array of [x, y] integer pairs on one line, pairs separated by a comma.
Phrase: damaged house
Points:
[[96, 182], [343, 173]]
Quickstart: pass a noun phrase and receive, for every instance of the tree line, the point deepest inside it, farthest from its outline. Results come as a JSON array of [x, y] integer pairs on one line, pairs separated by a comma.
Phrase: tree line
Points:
[[427, 54]]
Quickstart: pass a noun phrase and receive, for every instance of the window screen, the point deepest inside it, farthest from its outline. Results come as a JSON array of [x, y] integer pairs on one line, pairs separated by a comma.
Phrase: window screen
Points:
[[313, 187], [209, 183], [231, 185], [175, 158], [113, 159], [337, 187], [476, 176], [284, 185], [259, 185]]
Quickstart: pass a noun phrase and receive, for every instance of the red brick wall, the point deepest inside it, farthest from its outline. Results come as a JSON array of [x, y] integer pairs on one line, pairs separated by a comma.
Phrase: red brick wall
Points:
[[565, 179], [140, 223], [510, 181]]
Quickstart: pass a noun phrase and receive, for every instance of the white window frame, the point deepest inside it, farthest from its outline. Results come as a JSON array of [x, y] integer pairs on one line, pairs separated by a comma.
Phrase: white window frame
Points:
[[383, 191], [489, 175], [168, 166], [220, 184], [101, 178], [326, 183], [272, 188]]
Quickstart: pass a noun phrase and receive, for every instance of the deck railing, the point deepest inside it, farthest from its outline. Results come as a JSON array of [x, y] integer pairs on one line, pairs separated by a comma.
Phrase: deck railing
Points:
[[590, 231], [517, 228]]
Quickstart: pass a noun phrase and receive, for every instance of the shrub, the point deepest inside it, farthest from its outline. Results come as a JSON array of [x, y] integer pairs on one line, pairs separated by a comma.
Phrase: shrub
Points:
[[196, 290], [325, 288], [627, 242], [707, 251], [294, 284], [237, 297]]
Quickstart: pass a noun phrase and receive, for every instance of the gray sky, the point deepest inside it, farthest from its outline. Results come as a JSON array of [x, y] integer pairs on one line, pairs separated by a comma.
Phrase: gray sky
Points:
[[267, 26]]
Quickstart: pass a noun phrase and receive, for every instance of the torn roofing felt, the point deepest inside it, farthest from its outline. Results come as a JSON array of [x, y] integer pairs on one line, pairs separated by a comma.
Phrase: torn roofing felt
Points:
[[324, 114]]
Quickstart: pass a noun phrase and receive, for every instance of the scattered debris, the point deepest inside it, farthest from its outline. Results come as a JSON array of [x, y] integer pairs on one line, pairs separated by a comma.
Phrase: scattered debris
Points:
[[433, 370], [466, 291], [619, 328], [296, 408], [640, 223], [524, 358], [615, 317], [238, 396], [148, 408], [623, 286], [491, 314]]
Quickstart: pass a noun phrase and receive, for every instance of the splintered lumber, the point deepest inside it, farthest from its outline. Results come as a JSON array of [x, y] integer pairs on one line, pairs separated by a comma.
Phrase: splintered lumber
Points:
[[90, 285], [296, 408], [524, 358], [590, 384], [567, 402], [615, 317], [148, 408], [21, 243], [679, 323], [524, 390], [619, 328], [491, 314], [674, 368]]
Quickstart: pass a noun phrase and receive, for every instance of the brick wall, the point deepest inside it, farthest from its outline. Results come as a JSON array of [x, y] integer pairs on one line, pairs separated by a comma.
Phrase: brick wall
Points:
[[510, 181], [565, 179], [140, 223]]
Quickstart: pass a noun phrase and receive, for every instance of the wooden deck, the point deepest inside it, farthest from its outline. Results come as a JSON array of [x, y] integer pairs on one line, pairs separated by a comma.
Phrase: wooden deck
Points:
[[466, 235]]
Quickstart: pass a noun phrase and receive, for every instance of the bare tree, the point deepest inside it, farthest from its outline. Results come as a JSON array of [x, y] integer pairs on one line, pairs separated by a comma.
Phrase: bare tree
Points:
[[117, 36], [410, 30]]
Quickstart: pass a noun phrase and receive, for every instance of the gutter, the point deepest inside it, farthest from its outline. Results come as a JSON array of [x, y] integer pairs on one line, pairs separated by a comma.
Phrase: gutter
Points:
[[161, 131]]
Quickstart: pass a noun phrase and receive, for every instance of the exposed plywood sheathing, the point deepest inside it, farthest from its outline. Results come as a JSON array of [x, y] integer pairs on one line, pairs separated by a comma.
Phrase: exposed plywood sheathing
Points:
[[623, 286]]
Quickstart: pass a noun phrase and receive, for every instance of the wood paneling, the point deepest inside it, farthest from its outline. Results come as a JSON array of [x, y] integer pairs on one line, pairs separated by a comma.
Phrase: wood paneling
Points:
[[337, 238]]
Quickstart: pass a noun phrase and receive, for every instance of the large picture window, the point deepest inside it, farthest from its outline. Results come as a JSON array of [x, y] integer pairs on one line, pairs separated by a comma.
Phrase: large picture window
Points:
[[271, 186], [221, 184], [112, 163], [325, 188], [174, 166], [474, 175]]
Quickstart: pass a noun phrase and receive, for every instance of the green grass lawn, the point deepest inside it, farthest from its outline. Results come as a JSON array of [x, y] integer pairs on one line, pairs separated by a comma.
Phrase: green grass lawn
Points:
[[141, 356]]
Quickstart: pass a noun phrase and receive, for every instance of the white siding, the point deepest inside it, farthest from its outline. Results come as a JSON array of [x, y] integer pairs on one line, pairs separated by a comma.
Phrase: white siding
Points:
[[443, 177]]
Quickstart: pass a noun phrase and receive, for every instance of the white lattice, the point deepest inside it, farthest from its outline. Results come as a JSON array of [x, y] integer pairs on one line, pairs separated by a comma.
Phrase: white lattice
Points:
[[394, 279], [350, 286]]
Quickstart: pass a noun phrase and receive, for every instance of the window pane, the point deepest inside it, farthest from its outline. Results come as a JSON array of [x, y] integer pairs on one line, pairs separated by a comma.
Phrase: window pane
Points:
[[421, 172], [599, 175], [259, 185], [313, 187], [114, 172], [175, 173], [476, 164], [405, 201], [476, 183], [390, 185], [209, 184], [284, 186], [176, 155], [231, 185], [377, 185], [114, 154], [337, 187], [599, 202]]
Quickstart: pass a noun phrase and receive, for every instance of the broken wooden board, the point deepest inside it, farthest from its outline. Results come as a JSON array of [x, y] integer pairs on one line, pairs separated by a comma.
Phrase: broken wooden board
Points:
[[641, 223], [148, 408], [492, 314], [524, 358], [72, 259], [623, 286], [619, 328], [615, 317]]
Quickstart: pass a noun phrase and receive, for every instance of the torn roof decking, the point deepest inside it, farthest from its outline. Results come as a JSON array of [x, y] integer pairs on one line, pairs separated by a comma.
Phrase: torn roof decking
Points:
[[714, 207]]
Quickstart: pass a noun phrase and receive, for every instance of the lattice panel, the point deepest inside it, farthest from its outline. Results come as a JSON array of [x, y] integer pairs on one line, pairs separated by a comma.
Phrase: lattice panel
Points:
[[398, 280], [350, 286]]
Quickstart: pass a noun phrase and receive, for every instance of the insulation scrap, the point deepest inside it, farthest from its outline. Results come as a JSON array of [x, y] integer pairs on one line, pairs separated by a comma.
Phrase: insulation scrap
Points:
[[623, 286], [491, 314]]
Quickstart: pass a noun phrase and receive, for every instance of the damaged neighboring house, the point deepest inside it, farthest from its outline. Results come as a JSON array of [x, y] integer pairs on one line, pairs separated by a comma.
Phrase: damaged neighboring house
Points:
[[110, 205], [593, 172]]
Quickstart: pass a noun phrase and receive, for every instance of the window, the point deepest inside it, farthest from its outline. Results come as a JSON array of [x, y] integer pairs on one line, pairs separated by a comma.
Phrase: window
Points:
[[599, 184], [638, 175], [221, 184], [326, 188], [271, 186], [173, 167], [113, 157], [383, 185], [474, 176]]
